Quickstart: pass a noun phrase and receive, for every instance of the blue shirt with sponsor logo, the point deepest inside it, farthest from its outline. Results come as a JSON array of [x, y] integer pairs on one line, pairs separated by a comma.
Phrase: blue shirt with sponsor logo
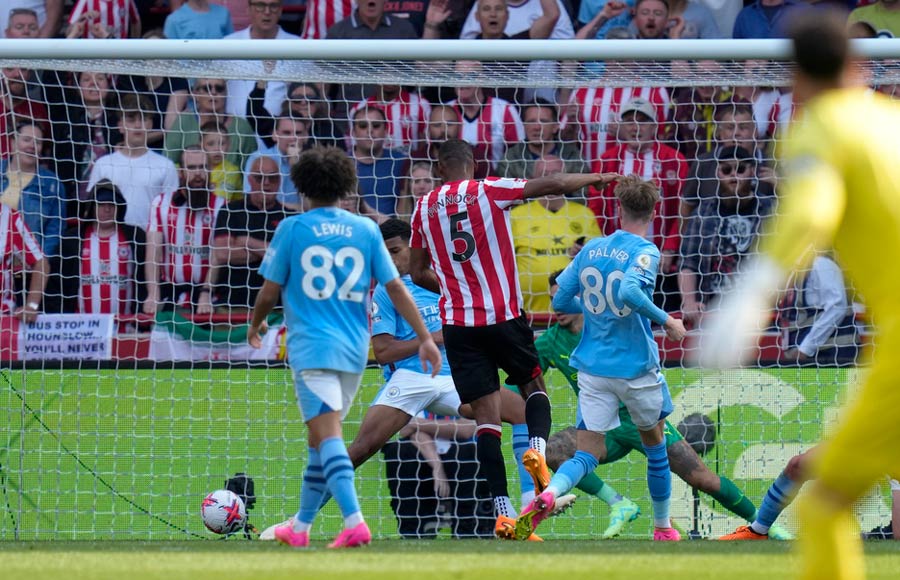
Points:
[[616, 341], [325, 261], [386, 320]]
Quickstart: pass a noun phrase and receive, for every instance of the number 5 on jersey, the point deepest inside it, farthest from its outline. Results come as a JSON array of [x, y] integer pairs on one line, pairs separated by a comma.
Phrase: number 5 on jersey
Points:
[[459, 234]]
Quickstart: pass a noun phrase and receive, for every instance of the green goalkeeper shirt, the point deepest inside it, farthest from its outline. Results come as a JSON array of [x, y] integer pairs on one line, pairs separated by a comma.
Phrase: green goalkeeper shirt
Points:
[[554, 347]]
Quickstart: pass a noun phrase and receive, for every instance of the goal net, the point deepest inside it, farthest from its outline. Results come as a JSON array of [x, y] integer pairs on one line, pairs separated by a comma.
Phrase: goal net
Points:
[[150, 187]]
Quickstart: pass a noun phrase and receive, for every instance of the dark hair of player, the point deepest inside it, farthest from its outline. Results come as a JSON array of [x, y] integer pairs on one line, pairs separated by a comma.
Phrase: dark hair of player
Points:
[[394, 228], [552, 278], [455, 154], [324, 174], [821, 47], [638, 197]]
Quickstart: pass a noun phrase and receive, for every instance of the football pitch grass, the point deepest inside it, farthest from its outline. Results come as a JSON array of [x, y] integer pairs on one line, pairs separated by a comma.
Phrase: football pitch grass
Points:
[[417, 560]]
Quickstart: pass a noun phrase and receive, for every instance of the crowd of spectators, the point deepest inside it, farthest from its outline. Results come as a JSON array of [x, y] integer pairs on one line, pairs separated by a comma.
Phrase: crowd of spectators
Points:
[[151, 192]]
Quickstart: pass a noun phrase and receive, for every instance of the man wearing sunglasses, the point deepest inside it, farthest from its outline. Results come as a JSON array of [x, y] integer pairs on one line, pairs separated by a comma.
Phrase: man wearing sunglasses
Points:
[[721, 233], [381, 170]]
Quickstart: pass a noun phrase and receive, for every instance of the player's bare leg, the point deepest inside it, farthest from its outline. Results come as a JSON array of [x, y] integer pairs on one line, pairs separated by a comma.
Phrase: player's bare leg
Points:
[[379, 425]]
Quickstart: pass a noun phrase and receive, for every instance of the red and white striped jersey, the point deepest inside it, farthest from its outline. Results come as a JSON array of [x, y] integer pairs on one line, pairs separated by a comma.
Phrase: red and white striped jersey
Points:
[[17, 245], [497, 126], [772, 111], [407, 119], [107, 274], [323, 14], [465, 227], [596, 109], [116, 15], [660, 164], [186, 237]]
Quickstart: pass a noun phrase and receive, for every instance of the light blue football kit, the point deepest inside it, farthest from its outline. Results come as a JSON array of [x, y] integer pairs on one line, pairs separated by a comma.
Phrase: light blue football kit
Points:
[[406, 387], [325, 261], [617, 358], [386, 320]]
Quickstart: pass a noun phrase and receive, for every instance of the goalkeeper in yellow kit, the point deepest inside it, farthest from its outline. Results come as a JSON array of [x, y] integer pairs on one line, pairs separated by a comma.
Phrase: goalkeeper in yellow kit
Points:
[[841, 190]]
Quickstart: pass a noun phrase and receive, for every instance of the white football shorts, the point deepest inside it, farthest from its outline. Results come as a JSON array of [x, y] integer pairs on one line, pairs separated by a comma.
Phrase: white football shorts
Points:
[[413, 392], [598, 400]]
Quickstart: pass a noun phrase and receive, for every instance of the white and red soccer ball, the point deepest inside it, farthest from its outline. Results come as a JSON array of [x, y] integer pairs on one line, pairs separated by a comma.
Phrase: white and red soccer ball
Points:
[[223, 512]]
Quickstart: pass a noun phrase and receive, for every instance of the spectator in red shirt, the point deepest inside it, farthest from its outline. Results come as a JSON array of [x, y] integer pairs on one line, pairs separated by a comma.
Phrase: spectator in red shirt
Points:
[[640, 153], [179, 238], [406, 113], [101, 267], [18, 247], [486, 121]]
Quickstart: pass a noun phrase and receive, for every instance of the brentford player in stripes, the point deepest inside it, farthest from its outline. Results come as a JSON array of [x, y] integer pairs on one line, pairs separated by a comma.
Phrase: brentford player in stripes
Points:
[[179, 236], [462, 229], [18, 246]]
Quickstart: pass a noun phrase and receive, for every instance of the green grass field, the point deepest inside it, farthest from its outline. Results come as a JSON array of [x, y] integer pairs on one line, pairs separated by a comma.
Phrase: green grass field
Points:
[[102, 473], [418, 560], [129, 454]]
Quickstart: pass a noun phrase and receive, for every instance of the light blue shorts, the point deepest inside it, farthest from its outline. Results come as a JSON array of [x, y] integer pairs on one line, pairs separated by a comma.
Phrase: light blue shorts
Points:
[[321, 391]]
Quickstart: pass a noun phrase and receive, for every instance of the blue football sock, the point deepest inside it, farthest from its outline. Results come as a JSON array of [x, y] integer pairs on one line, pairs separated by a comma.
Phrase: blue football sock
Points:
[[659, 481], [780, 495], [520, 446], [571, 472], [314, 487], [338, 472]]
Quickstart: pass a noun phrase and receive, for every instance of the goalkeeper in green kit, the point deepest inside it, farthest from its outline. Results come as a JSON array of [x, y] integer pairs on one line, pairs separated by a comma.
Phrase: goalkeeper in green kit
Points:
[[554, 347]]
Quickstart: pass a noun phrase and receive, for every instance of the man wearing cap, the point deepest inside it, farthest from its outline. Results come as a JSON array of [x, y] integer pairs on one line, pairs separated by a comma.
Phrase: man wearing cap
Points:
[[593, 111], [101, 267], [640, 153], [721, 233]]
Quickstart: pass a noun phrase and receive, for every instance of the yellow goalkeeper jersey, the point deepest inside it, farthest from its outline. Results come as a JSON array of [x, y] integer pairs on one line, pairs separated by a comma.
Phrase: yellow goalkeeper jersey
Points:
[[543, 239], [842, 189]]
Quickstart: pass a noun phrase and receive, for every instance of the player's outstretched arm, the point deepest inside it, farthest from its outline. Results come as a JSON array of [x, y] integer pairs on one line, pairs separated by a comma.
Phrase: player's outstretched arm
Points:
[[420, 270], [265, 302], [403, 302], [563, 183]]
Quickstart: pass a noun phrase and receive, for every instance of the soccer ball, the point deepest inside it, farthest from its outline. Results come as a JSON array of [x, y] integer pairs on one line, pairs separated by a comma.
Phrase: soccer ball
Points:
[[223, 512]]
